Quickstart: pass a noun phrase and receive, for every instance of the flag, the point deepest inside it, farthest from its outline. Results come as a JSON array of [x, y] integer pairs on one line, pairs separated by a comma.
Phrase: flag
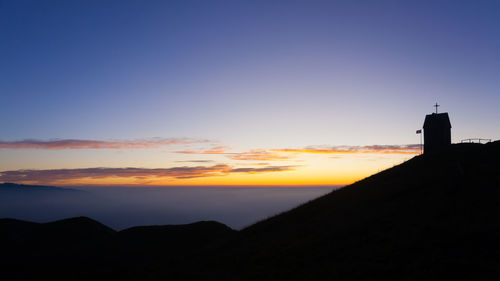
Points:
[[419, 131]]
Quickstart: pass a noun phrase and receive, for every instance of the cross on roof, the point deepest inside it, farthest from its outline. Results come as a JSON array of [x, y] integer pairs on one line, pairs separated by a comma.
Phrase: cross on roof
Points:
[[436, 106]]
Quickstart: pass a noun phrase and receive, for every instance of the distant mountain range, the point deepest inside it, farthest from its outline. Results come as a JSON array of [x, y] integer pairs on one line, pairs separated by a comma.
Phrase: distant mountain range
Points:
[[434, 217], [7, 186]]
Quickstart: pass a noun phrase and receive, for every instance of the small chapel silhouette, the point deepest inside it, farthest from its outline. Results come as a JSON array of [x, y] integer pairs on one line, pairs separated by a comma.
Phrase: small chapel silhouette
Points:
[[437, 131]]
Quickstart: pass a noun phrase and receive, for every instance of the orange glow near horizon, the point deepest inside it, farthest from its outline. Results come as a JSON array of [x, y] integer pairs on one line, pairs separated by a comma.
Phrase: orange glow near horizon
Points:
[[213, 181], [301, 170]]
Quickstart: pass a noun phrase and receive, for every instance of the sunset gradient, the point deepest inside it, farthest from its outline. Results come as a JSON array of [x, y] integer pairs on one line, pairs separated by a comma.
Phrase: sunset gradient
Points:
[[218, 165], [237, 92]]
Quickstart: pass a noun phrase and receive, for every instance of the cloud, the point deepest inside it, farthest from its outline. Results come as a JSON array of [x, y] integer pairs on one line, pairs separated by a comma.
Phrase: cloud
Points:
[[255, 154], [65, 175], [97, 144], [376, 149], [263, 170], [259, 155], [254, 164], [213, 150], [194, 161], [99, 173]]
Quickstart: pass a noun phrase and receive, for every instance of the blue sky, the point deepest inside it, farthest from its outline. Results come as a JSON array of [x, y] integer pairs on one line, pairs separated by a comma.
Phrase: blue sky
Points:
[[245, 74]]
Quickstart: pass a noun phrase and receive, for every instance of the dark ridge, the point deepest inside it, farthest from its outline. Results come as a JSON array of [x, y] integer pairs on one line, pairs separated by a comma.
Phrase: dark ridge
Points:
[[7, 223], [174, 230], [78, 227], [15, 230], [430, 218], [170, 243], [174, 237], [53, 237]]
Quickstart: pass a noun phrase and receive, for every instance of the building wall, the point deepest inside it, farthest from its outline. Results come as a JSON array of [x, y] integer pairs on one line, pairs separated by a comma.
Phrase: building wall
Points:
[[436, 138]]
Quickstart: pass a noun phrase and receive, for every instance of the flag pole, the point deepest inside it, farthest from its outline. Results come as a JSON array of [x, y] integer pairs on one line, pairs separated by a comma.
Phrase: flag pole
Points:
[[419, 131], [421, 146]]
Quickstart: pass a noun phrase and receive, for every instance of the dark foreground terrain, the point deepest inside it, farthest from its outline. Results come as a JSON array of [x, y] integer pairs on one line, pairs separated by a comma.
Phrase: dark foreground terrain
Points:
[[433, 217]]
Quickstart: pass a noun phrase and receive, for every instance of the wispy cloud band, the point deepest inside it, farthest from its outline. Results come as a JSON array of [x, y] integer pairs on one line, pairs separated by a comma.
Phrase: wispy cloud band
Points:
[[254, 154], [58, 175], [97, 144], [379, 149], [284, 153]]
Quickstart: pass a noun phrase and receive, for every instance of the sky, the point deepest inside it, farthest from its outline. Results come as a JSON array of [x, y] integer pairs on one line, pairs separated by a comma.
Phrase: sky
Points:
[[237, 92]]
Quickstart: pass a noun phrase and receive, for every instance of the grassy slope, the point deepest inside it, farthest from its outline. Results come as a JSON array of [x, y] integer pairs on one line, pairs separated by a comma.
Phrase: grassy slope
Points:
[[431, 217]]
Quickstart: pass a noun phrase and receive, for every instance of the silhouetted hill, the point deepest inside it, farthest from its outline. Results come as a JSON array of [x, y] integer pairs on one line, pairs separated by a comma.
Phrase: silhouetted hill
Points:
[[167, 251], [48, 238], [197, 232], [15, 230], [76, 228], [430, 218], [82, 247], [433, 217]]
